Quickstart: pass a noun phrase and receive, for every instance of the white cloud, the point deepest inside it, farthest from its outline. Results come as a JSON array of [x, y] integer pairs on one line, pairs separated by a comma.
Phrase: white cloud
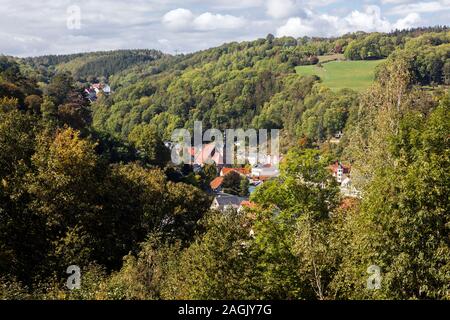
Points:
[[163, 41], [281, 8], [395, 1], [295, 27], [208, 21], [184, 20], [369, 20], [178, 19], [411, 20], [320, 3], [236, 4], [421, 7]]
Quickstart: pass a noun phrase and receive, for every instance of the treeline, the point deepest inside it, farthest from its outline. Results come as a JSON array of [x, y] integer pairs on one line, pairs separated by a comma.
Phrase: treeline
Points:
[[380, 45], [373, 46], [90, 66], [428, 54], [428, 58]]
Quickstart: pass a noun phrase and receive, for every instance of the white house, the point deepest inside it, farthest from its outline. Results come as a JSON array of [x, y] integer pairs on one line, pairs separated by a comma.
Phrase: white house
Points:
[[224, 201], [267, 171], [340, 171], [106, 89]]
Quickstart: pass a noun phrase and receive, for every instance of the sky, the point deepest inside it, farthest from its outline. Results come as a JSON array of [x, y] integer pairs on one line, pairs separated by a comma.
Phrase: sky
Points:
[[31, 28]]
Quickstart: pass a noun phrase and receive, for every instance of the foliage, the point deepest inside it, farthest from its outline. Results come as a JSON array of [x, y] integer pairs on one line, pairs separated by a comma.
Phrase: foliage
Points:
[[427, 57], [373, 46], [232, 183], [146, 139], [91, 66]]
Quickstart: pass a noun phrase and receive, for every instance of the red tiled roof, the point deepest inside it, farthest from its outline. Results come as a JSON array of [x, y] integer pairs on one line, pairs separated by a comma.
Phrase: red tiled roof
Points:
[[216, 183], [208, 152], [334, 167], [243, 171]]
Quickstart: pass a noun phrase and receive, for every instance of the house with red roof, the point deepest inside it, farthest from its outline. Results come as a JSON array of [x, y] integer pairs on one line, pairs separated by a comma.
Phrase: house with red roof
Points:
[[216, 184], [340, 171], [242, 171], [95, 89], [208, 153]]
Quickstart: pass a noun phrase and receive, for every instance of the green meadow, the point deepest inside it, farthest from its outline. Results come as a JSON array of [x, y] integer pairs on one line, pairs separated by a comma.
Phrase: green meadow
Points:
[[356, 75]]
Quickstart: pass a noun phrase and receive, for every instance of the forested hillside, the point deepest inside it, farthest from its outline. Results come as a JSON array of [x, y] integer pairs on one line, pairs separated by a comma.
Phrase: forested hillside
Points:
[[253, 84], [91, 184], [90, 66]]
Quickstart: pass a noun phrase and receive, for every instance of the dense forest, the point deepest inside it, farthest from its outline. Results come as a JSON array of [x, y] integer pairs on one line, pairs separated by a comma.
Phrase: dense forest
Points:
[[90, 66], [91, 184]]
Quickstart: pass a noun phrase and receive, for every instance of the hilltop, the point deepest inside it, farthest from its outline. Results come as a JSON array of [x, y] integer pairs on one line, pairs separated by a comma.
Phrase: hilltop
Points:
[[87, 66]]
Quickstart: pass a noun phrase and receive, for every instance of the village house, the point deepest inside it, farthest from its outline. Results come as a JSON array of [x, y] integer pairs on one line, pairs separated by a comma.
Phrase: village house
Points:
[[225, 201], [208, 154], [95, 89], [199, 157], [90, 95], [340, 171], [266, 171], [255, 158], [242, 171], [216, 184]]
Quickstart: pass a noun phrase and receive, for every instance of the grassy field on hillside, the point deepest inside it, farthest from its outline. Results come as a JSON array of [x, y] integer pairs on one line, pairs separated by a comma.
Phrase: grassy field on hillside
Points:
[[331, 57], [356, 75]]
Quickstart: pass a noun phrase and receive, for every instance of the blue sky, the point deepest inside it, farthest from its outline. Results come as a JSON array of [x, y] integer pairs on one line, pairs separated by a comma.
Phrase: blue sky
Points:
[[49, 27]]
